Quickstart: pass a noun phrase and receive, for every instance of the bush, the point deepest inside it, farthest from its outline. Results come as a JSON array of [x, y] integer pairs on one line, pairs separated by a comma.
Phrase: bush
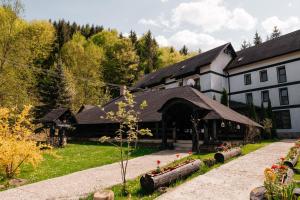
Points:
[[209, 162]]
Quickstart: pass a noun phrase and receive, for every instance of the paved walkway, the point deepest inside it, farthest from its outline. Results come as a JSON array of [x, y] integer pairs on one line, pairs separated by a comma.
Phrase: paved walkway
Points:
[[233, 180], [80, 184]]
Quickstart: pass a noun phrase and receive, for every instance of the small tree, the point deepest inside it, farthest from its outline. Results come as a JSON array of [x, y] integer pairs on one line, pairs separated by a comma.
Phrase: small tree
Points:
[[271, 116], [17, 146], [127, 117], [245, 45], [257, 39], [276, 33], [224, 97], [184, 50], [252, 112]]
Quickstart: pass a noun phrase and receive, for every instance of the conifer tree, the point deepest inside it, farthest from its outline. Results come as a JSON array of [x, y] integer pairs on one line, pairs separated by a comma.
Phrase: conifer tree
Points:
[[184, 50], [53, 90], [252, 112], [276, 33], [257, 39], [245, 45], [224, 97], [148, 51], [133, 37]]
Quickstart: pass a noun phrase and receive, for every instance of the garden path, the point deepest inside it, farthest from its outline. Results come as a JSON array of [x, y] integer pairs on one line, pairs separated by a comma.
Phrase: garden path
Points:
[[233, 180], [82, 183]]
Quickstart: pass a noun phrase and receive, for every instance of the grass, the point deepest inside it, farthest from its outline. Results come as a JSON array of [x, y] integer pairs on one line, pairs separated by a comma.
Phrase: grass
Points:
[[136, 192], [74, 157]]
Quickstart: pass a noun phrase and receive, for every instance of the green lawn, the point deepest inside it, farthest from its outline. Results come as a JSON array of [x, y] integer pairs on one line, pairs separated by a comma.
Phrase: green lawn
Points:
[[137, 193], [75, 157]]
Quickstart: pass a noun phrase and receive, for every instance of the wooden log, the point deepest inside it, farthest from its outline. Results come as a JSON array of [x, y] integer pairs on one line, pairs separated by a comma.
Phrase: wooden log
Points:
[[151, 183], [291, 163], [289, 176], [258, 193], [225, 155]]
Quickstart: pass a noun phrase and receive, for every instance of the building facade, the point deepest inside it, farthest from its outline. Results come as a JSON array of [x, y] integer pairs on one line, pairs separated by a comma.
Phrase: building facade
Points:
[[268, 71]]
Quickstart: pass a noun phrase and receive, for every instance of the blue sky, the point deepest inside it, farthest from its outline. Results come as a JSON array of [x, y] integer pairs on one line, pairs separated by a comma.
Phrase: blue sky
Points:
[[202, 24]]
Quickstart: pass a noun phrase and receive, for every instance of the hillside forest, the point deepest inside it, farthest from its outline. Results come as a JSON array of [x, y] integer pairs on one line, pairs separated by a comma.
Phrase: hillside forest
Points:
[[51, 64]]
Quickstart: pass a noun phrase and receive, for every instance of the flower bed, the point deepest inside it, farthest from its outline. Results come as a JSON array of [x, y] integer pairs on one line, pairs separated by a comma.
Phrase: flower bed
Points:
[[278, 182], [226, 154], [165, 176], [293, 156]]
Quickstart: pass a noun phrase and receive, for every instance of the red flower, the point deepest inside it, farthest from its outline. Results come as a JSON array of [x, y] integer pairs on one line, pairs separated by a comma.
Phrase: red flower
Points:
[[158, 162], [177, 155], [190, 152], [282, 158], [274, 167], [282, 167]]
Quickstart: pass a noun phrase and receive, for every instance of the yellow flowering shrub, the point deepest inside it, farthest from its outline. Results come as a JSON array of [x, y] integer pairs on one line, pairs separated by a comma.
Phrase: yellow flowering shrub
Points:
[[16, 144]]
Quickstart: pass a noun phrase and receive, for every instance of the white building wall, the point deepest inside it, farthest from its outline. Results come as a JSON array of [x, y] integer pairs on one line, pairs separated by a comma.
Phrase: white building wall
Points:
[[293, 76]]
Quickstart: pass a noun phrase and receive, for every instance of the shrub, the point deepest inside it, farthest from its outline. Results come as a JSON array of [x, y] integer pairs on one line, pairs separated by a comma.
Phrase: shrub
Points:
[[16, 144]]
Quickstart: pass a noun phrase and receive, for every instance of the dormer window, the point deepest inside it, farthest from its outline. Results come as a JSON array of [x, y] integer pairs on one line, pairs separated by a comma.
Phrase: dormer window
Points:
[[240, 59]]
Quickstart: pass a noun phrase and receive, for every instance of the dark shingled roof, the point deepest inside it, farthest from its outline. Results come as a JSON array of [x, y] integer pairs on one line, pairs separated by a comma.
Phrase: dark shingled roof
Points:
[[279, 46], [157, 99], [188, 66], [53, 115]]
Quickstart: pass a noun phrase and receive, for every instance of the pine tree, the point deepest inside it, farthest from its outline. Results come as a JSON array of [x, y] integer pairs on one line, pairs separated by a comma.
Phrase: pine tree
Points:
[[224, 97], [148, 51], [53, 90], [252, 112], [276, 33], [133, 37], [184, 50], [245, 45], [257, 39], [263, 113]]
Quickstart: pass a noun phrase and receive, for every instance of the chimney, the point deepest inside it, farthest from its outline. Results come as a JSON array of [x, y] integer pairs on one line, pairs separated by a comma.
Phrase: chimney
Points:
[[122, 90]]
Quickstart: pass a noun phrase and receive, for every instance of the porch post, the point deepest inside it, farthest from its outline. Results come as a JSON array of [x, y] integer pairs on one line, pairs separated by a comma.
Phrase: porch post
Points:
[[206, 139], [164, 134], [214, 130]]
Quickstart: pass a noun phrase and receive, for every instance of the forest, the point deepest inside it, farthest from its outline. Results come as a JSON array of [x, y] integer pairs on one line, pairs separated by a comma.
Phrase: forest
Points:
[[51, 64]]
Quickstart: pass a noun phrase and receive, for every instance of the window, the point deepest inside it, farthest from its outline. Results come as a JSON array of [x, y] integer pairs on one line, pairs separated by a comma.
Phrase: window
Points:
[[247, 79], [283, 96], [281, 74], [265, 96], [283, 119], [263, 76], [249, 98], [197, 84]]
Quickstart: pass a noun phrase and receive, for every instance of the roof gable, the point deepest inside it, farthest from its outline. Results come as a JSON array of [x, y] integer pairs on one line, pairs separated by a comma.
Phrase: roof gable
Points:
[[276, 47], [180, 69]]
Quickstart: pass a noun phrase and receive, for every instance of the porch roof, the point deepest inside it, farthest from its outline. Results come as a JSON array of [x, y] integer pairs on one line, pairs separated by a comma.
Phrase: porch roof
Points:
[[157, 99]]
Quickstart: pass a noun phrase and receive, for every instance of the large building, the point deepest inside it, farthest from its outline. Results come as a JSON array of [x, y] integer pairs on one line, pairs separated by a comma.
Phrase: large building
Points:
[[268, 71]]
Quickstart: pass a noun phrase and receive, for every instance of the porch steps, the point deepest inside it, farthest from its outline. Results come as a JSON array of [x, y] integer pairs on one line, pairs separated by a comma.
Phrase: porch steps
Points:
[[183, 145]]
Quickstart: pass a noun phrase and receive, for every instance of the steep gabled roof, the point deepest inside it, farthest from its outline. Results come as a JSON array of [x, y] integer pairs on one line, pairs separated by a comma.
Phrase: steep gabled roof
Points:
[[54, 115], [157, 99], [276, 47], [185, 67]]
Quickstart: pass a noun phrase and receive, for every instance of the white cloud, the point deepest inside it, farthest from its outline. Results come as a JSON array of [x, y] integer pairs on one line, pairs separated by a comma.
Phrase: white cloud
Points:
[[212, 16], [148, 22], [192, 40], [290, 4], [162, 41], [164, 1], [285, 26]]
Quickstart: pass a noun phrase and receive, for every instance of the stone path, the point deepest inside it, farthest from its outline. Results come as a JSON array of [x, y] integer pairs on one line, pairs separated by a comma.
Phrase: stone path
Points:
[[233, 180], [80, 184]]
